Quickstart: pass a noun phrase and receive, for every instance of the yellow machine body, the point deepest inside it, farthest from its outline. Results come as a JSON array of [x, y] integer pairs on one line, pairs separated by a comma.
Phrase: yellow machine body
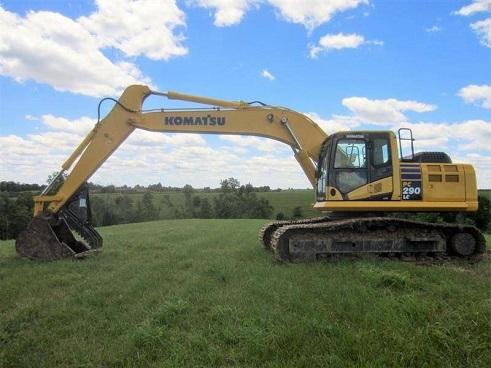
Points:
[[361, 171]]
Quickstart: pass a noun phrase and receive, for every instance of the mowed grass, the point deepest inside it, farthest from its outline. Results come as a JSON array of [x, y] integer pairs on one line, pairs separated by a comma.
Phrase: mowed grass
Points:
[[202, 293]]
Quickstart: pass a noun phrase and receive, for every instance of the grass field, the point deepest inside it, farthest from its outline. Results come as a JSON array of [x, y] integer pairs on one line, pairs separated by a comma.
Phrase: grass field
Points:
[[198, 293]]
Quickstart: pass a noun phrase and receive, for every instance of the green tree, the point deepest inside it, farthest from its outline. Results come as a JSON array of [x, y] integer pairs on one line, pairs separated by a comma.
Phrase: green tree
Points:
[[482, 217], [148, 211], [124, 209], [15, 215], [196, 201], [98, 207], [5, 208], [205, 210], [280, 216], [237, 201], [297, 212], [188, 192], [229, 185]]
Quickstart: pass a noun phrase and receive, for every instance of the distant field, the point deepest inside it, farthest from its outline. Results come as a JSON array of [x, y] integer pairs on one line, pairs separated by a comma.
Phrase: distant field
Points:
[[284, 201], [202, 293]]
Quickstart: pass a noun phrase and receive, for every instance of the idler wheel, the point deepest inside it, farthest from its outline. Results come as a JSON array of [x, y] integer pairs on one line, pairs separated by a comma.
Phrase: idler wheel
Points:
[[463, 244]]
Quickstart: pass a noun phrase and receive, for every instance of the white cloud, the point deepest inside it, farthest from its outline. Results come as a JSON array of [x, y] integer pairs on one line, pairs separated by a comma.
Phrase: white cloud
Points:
[[309, 13], [57, 140], [476, 6], [482, 165], [313, 13], [383, 111], [227, 12], [483, 27], [340, 41], [259, 143], [468, 135], [157, 139], [475, 133], [337, 123], [30, 117], [67, 54], [200, 166], [477, 94], [139, 27], [483, 31], [79, 126], [433, 29], [266, 74]]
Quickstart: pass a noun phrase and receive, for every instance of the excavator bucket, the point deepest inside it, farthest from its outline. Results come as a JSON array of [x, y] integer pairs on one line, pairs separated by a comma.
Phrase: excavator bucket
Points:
[[52, 238], [47, 242]]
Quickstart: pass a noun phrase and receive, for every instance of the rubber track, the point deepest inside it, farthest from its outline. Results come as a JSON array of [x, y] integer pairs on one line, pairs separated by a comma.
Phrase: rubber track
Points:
[[331, 226], [267, 230]]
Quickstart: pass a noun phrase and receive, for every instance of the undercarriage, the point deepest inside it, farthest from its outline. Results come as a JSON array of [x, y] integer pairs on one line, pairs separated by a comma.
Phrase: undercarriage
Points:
[[327, 237]]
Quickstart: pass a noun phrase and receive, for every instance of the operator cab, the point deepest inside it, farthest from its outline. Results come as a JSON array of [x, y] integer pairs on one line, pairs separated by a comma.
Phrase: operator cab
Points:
[[350, 161]]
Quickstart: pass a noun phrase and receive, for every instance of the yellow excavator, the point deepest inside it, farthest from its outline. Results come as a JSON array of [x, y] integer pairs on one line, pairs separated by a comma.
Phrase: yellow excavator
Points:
[[360, 178]]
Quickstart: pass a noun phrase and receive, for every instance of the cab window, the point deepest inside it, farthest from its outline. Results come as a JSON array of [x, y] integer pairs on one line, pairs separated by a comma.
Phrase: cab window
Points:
[[381, 154], [350, 154]]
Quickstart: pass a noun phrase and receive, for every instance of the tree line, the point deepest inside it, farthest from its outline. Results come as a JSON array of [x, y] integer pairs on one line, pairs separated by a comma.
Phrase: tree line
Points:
[[12, 188], [231, 200]]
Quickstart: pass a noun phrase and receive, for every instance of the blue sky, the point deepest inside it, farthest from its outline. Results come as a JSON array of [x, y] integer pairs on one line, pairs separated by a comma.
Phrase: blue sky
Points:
[[353, 64]]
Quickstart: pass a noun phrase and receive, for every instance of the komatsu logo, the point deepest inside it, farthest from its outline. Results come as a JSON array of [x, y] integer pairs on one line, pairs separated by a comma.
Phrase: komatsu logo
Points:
[[190, 120]]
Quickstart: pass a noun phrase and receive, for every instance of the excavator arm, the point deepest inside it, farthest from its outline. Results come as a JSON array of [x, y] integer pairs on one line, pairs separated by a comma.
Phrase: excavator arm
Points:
[[57, 209]]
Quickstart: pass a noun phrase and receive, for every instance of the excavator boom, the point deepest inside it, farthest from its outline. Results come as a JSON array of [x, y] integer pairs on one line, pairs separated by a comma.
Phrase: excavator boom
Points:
[[227, 117], [57, 209]]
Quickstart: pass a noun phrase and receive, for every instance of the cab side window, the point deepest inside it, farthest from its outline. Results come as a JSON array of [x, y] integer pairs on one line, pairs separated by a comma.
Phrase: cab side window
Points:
[[381, 154], [381, 158]]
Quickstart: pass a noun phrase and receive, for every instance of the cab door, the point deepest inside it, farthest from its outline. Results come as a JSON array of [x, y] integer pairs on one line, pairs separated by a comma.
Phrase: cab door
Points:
[[380, 163]]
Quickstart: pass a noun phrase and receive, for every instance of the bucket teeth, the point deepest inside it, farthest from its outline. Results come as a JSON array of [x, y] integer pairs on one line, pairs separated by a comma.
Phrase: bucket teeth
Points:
[[44, 241]]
